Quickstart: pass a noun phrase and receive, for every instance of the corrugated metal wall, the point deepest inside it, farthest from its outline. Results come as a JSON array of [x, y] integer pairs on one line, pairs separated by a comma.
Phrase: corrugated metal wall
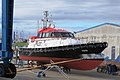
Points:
[[104, 33]]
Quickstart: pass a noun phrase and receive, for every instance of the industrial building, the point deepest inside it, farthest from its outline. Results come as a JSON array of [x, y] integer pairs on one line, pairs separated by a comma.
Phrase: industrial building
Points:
[[107, 32]]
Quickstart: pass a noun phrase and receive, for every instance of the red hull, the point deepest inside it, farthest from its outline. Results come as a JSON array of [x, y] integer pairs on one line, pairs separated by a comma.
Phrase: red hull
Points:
[[80, 65]]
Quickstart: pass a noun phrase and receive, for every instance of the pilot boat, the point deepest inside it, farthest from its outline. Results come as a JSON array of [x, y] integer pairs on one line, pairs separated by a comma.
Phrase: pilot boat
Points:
[[57, 44]]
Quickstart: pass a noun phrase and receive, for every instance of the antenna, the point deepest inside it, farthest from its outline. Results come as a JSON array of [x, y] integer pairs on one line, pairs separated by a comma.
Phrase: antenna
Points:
[[45, 19], [46, 22], [38, 24]]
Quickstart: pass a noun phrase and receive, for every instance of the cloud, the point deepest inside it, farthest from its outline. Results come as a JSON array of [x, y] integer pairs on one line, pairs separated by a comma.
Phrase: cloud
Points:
[[68, 9], [35, 8], [68, 12]]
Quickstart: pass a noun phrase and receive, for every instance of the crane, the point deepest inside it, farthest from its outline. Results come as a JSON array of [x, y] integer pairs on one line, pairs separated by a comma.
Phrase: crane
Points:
[[7, 69]]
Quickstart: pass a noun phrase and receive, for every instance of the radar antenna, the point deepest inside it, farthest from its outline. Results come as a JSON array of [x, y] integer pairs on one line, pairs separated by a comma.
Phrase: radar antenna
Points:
[[45, 19], [46, 22]]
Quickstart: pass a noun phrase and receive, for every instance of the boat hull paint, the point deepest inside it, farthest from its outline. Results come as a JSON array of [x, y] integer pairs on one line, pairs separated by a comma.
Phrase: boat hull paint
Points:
[[87, 64]]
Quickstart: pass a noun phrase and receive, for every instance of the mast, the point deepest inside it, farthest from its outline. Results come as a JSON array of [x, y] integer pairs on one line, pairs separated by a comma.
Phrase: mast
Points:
[[46, 22], [45, 19]]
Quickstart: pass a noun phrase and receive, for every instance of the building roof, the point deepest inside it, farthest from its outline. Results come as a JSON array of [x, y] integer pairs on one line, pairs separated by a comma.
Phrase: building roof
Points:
[[99, 26]]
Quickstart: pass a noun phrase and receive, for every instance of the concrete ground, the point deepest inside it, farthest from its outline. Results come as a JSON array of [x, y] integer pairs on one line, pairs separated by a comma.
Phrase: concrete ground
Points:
[[55, 75]]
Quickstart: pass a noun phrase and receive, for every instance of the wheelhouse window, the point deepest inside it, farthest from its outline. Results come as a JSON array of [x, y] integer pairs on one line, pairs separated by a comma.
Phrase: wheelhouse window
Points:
[[71, 35], [55, 34], [52, 34], [39, 35], [47, 35], [62, 34], [43, 35]]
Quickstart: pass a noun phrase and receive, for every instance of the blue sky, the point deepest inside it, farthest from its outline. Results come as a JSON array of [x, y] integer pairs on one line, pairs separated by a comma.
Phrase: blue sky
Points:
[[73, 15]]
